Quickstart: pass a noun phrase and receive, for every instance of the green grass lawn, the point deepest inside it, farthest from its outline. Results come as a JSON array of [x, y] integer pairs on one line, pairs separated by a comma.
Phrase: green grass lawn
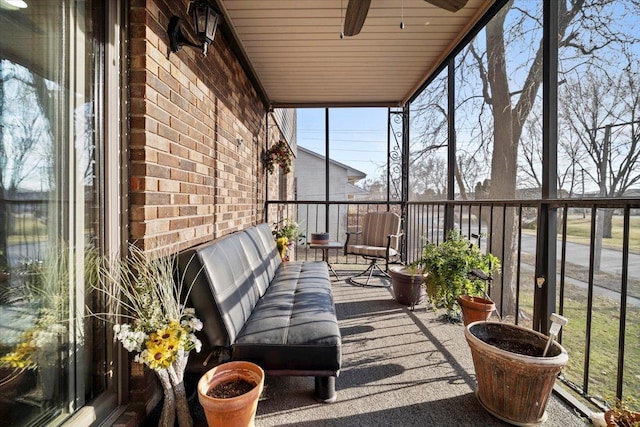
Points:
[[579, 231], [26, 229], [604, 343]]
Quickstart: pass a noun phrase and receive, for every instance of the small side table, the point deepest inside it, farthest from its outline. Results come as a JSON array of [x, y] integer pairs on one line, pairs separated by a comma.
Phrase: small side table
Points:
[[324, 247]]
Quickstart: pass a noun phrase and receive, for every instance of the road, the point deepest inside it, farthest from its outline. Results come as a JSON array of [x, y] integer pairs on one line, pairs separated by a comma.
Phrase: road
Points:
[[578, 254], [610, 262]]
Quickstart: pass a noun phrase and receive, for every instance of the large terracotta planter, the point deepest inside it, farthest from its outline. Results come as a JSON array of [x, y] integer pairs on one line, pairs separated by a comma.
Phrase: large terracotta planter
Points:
[[237, 411], [475, 308], [513, 387], [407, 287]]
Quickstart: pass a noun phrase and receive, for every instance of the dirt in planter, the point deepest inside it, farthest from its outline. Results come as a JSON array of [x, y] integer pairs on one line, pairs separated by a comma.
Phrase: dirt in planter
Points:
[[229, 389], [517, 347]]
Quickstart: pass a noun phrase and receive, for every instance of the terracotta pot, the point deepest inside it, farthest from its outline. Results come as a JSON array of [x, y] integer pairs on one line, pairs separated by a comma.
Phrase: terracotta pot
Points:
[[237, 411], [475, 308], [614, 421], [511, 386], [407, 288]]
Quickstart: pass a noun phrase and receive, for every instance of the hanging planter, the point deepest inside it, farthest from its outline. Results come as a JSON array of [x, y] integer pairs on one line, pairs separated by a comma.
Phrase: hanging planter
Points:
[[279, 154]]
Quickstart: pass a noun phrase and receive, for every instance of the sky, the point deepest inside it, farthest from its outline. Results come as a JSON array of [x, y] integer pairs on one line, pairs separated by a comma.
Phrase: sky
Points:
[[357, 136]]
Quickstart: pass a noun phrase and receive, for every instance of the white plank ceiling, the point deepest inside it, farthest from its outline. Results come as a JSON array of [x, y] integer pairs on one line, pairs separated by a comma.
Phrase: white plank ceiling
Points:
[[296, 52]]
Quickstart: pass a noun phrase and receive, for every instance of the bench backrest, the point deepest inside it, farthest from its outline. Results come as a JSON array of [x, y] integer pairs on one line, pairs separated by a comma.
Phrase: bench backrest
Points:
[[229, 276]]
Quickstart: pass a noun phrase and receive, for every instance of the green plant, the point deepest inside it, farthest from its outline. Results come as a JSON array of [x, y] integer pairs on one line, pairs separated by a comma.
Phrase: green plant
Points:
[[448, 267], [289, 229], [286, 233], [280, 154]]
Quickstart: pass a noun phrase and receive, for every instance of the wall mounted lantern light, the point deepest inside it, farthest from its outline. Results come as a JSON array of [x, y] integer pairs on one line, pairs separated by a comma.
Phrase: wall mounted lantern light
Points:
[[205, 21]]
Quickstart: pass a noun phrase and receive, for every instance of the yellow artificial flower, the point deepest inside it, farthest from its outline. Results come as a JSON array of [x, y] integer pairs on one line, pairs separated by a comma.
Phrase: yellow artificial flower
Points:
[[158, 356], [282, 243], [21, 356]]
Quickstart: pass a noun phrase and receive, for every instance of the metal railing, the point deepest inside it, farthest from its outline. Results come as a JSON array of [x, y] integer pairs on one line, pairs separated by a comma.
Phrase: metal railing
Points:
[[596, 285]]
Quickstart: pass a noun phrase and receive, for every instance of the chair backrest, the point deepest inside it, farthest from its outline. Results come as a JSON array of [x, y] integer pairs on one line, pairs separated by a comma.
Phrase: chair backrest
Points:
[[376, 226]]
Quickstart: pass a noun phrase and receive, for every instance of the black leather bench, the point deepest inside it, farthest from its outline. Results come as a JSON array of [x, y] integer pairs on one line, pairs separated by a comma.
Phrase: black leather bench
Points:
[[256, 308]]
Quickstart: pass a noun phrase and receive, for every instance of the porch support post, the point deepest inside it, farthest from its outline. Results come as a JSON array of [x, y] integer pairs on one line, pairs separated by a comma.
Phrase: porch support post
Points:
[[544, 297], [389, 157], [266, 174], [451, 150], [326, 169]]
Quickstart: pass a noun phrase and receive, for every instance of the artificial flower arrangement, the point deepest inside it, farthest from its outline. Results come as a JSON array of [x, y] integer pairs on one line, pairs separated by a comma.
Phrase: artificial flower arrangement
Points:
[[22, 355], [280, 154], [144, 293], [46, 284], [286, 233]]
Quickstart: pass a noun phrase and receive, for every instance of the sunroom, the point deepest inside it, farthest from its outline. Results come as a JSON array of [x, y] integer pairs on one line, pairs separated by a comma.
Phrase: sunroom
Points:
[[515, 122]]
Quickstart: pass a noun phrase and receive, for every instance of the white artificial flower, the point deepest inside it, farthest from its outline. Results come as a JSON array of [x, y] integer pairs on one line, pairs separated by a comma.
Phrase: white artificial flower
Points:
[[196, 324], [58, 329], [196, 342]]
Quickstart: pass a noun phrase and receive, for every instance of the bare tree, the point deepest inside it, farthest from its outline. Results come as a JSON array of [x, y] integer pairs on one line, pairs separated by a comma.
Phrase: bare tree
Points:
[[603, 112], [505, 75], [25, 139]]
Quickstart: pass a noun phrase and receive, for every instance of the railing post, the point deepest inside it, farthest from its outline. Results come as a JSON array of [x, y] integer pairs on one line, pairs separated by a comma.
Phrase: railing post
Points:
[[544, 296], [451, 146]]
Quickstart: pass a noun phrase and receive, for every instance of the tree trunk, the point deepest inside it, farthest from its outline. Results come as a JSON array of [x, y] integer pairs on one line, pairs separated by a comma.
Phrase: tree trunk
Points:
[[503, 165], [607, 223]]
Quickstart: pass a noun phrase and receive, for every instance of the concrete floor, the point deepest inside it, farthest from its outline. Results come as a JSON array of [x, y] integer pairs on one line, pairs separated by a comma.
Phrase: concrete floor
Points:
[[399, 368]]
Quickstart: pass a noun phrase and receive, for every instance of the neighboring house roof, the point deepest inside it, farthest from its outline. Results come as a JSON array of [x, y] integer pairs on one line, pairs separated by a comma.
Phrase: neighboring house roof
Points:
[[355, 190], [353, 174]]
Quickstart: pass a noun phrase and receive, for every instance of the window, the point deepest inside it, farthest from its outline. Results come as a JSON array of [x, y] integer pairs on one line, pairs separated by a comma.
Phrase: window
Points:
[[53, 357]]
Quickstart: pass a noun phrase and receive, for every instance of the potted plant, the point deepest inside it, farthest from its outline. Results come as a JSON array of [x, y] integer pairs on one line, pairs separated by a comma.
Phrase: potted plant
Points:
[[455, 270], [229, 394], [514, 374], [287, 233], [406, 282]]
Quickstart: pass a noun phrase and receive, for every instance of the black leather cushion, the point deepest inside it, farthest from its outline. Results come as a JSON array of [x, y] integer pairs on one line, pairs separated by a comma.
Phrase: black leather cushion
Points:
[[293, 326], [229, 275]]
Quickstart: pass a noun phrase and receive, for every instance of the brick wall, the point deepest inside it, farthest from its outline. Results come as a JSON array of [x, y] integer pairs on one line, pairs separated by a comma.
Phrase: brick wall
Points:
[[190, 181]]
